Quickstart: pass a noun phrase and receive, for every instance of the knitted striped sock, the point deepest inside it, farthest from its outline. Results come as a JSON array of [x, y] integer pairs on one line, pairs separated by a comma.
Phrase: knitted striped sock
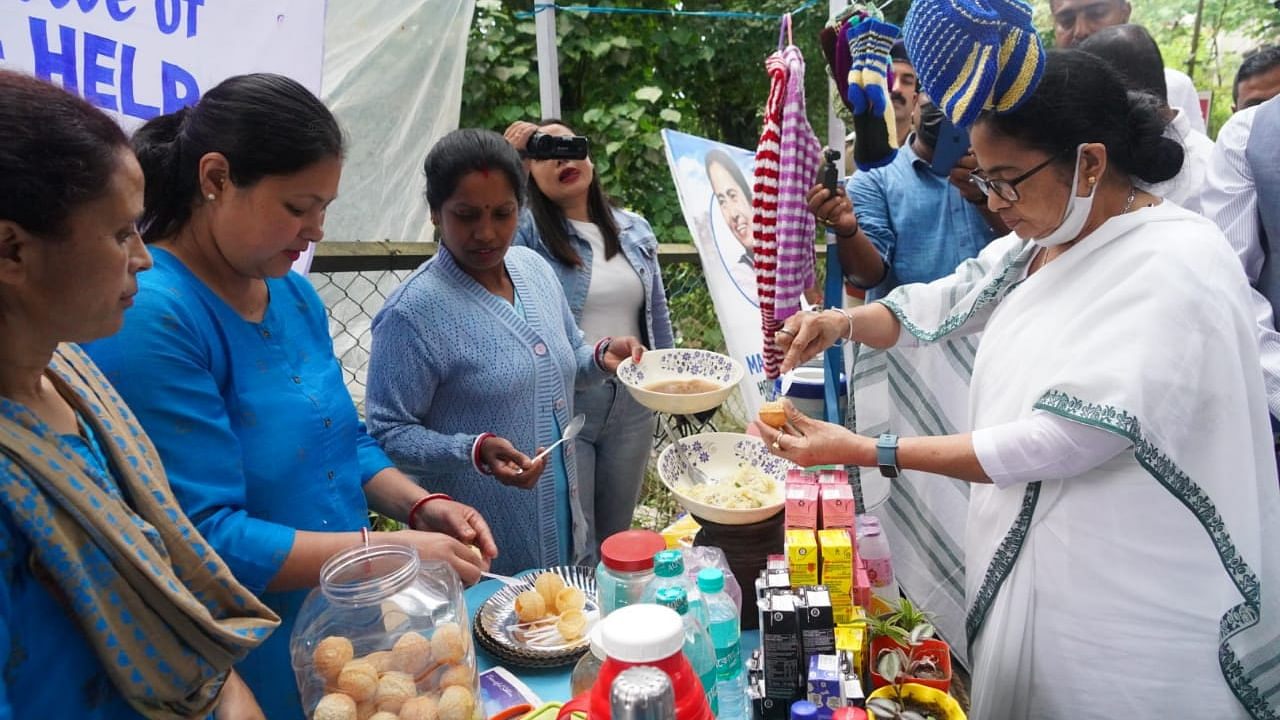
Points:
[[874, 43], [876, 141], [1021, 56], [954, 46], [856, 95]]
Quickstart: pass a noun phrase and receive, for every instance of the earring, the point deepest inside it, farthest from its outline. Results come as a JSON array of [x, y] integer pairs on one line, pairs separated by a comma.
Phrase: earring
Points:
[[1092, 180], [211, 196]]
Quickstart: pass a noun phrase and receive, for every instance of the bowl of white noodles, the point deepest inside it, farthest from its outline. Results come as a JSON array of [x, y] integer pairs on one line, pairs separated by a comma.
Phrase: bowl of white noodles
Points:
[[747, 481]]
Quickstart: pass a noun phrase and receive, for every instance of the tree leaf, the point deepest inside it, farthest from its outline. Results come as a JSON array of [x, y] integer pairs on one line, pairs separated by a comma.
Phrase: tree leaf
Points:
[[648, 93], [670, 115]]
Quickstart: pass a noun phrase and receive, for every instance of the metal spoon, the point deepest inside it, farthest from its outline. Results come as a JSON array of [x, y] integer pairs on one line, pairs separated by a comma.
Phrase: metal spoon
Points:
[[570, 432], [695, 474]]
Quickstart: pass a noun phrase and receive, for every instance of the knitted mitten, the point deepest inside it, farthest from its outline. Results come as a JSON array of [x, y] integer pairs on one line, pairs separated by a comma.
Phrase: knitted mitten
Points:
[[954, 46], [876, 141], [1021, 56]]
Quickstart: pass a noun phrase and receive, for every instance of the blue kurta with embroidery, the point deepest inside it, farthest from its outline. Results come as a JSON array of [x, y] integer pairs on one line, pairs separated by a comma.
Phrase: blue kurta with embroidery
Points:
[[49, 667], [256, 430], [450, 360]]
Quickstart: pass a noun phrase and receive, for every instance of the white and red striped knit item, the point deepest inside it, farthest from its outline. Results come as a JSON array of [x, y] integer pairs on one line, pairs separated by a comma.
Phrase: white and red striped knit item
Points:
[[787, 163]]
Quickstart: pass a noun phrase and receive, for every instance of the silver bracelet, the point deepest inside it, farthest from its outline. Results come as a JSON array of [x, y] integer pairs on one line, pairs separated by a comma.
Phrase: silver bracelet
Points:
[[848, 316]]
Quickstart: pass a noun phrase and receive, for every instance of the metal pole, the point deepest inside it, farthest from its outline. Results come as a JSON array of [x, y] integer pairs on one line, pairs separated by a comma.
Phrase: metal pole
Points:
[[548, 58]]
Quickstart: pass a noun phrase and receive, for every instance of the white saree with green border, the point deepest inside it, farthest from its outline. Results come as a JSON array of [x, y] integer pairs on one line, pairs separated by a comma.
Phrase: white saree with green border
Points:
[[1148, 586]]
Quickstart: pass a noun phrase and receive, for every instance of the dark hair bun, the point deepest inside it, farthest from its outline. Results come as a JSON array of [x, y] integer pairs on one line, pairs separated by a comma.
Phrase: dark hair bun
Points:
[[1152, 156]]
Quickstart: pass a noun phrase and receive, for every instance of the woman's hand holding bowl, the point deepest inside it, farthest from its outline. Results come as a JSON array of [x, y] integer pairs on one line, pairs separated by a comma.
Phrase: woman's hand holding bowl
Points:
[[621, 348]]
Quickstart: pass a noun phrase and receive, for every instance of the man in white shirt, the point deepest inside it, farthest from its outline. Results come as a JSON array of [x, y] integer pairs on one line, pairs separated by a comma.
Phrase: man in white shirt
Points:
[[1134, 54], [1258, 79], [1242, 196], [1075, 20]]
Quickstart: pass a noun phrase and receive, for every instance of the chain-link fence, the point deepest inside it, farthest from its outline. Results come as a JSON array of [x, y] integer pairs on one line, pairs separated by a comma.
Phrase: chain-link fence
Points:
[[354, 282]]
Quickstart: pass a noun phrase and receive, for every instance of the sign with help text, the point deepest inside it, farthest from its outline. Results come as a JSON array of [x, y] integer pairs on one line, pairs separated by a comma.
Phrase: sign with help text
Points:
[[140, 58]]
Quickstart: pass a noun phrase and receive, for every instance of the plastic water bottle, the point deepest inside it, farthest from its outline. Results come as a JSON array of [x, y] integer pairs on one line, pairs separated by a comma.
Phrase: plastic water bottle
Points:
[[873, 547], [668, 571], [697, 643], [731, 687]]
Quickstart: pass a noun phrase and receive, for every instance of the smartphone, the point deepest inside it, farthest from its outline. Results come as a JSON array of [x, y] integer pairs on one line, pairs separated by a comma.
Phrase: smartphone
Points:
[[953, 143]]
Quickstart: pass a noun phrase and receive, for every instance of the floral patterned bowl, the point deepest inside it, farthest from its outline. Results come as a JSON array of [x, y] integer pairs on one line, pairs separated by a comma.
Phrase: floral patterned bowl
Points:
[[659, 367], [732, 460]]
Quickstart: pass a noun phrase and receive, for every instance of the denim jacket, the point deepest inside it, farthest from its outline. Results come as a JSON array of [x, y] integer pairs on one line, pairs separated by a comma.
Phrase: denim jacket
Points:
[[639, 246]]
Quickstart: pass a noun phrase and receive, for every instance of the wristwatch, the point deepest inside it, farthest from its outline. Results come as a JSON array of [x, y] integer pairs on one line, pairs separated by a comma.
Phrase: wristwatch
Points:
[[887, 455]]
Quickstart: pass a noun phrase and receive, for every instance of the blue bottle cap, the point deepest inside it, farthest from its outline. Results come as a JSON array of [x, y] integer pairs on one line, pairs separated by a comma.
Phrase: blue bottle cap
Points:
[[804, 710], [668, 563], [674, 598], [710, 580]]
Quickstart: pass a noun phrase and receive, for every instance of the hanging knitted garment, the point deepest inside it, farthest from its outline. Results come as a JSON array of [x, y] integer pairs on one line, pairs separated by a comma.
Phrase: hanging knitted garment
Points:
[[787, 164]]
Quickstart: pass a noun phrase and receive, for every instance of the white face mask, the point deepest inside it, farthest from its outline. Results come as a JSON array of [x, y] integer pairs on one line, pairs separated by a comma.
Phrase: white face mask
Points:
[[1075, 215]]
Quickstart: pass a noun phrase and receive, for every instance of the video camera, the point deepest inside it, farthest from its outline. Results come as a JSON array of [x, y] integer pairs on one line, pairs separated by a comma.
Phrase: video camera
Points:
[[542, 146]]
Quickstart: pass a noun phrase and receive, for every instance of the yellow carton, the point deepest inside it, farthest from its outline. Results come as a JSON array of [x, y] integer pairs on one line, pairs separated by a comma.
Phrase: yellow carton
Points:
[[802, 557], [836, 548]]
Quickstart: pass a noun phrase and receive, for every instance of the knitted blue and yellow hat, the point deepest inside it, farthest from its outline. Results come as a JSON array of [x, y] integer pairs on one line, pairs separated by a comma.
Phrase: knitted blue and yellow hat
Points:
[[971, 55]]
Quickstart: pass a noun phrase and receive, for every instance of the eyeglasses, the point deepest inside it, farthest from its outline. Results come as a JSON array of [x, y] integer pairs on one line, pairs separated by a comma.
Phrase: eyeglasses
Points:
[[1007, 189]]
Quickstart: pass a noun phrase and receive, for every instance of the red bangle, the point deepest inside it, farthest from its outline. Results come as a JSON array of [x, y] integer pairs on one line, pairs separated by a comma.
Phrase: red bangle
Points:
[[413, 511], [475, 453], [601, 348]]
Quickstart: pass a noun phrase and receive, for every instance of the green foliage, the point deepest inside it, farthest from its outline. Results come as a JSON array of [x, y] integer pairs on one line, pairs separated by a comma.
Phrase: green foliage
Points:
[[904, 623], [1228, 29], [625, 77]]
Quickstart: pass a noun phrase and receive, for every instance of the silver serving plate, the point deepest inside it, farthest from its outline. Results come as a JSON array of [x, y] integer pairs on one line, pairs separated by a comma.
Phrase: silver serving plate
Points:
[[496, 618]]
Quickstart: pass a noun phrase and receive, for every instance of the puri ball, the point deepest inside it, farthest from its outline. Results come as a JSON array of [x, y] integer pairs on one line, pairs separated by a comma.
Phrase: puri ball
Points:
[[411, 653], [570, 598], [394, 688], [447, 643], [359, 679], [478, 552], [572, 625], [382, 715], [420, 708], [548, 584], [330, 655], [335, 706], [459, 675], [383, 660], [457, 703], [530, 606], [772, 414]]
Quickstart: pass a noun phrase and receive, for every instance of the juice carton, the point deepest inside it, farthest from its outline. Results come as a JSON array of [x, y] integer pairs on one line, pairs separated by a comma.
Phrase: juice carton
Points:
[[835, 546], [817, 622], [802, 505], [802, 557], [823, 684], [837, 505], [780, 640]]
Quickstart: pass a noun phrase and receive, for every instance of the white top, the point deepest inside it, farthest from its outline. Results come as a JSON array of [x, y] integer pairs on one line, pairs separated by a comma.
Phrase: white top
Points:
[[1185, 187], [1183, 96], [1043, 446], [1230, 199], [615, 297]]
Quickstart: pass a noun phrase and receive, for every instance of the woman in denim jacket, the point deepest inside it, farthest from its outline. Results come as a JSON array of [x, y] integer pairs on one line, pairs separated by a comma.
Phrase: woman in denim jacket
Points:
[[607, 260]]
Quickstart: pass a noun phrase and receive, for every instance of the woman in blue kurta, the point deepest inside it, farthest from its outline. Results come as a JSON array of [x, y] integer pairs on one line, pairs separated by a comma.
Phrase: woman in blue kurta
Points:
[[475, 357], [111, 604], [227, 360]]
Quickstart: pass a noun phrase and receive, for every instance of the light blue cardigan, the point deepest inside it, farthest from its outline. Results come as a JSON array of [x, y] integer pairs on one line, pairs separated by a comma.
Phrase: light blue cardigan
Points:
[[450, 360]]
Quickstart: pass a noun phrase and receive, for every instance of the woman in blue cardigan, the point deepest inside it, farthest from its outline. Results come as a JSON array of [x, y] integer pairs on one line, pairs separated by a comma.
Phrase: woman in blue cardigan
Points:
[[475, 358], [607, 262]]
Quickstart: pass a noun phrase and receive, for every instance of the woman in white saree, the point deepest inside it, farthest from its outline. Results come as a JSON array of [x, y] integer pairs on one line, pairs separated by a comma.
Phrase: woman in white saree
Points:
[[1121, 553]]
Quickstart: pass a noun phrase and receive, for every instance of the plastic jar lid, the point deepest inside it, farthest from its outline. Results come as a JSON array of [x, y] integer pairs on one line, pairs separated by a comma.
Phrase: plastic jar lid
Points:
[[596, 643], [804, 710], [642, 633], [631, 550], [710, 580]]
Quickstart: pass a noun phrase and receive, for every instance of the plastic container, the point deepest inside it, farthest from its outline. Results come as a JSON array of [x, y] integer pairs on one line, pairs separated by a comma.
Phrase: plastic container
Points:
[[626, 568], [726, 638], [873, 548], [928, 649], [386, 629], [697, 643], [643, 635], [587, 669], [804, 710], [669, 571], [808, 391]]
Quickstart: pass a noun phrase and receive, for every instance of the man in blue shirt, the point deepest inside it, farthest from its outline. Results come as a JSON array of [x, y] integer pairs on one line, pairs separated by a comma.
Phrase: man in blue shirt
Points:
[[904, 223]]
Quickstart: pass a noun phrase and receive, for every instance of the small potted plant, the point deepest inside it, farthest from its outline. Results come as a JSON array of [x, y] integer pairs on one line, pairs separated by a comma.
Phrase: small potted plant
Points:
[[909, 630], [902, 700]]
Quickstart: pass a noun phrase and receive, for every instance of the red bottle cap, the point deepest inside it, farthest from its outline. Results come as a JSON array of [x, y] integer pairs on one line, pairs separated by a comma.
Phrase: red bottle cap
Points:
[[849, 713], [631, 550]]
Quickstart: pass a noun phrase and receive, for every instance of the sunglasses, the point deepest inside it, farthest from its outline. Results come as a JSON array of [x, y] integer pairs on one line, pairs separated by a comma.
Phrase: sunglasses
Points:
[[1007, 190]]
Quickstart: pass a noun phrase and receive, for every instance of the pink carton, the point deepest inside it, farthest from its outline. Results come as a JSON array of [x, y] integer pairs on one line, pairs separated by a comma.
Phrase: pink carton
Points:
[[802, 505], [862, 587], [836, 475], [837, 506], [799, 475]]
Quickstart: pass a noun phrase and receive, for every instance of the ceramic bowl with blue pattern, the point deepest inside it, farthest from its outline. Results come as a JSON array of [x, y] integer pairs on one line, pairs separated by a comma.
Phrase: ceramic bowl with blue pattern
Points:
[[681, 381], [747, 480]]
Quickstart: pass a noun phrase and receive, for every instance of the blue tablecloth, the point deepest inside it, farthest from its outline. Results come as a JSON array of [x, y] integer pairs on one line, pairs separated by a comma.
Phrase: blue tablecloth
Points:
[[551, 684]]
